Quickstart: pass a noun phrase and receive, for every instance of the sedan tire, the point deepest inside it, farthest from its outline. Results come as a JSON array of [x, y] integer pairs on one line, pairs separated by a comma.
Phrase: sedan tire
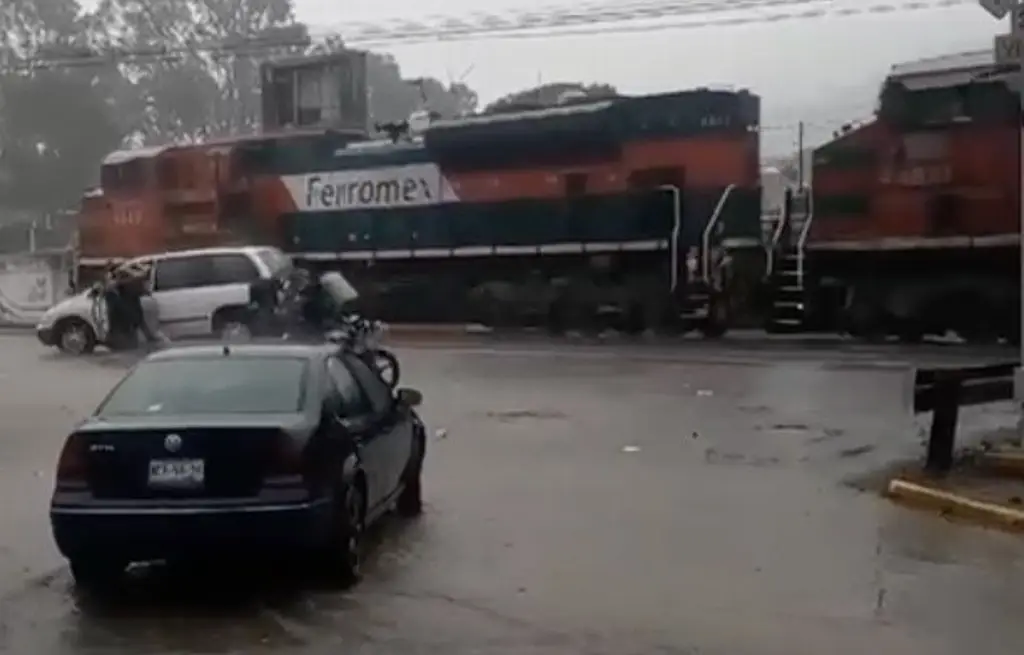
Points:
[[410, 500], [341, 558], [96, 574]]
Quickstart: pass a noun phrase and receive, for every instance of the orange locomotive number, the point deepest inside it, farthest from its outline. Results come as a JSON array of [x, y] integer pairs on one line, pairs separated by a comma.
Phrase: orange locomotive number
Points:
[[128, 216]]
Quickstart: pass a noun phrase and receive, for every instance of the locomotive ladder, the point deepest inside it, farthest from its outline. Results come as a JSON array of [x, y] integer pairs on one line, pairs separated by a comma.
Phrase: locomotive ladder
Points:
[[701, 287], [787, 261]]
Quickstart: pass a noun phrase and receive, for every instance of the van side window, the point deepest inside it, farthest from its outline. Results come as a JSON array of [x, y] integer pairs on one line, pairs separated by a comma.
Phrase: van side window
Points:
[[182, 273], [233, 269]]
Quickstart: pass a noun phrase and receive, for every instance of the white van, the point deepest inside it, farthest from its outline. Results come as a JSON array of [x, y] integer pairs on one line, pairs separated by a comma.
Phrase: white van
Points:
[[195, 293]]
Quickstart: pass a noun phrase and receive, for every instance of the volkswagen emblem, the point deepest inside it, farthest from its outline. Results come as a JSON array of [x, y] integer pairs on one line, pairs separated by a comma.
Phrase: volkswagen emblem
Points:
[[172, 443]]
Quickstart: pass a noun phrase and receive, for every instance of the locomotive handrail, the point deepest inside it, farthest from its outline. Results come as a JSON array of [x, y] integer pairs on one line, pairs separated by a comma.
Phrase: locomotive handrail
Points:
[[705, 243], [805, 230], [677, 226], [776, 237]]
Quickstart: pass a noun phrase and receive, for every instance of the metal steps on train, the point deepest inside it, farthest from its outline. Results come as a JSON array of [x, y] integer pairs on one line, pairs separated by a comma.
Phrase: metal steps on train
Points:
[[788, 309], [696, 308]]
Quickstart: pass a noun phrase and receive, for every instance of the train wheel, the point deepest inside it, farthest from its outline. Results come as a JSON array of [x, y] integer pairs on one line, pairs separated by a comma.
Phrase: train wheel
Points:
[[909, 331], [910, 335], [634, 319], [978, 335], [556, 317], [717, 322]]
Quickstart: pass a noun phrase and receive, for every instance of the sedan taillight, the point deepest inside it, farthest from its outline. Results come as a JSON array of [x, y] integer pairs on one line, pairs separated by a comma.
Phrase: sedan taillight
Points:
[[72, 466], [287, 464]]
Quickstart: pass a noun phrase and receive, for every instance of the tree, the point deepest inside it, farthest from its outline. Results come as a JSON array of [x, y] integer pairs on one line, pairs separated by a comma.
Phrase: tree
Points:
[[57, 124], [54, 124], [548, 95], [197, 94]]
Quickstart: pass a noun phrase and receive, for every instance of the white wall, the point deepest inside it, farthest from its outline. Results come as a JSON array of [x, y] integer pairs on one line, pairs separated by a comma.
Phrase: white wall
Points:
[[29, 285]]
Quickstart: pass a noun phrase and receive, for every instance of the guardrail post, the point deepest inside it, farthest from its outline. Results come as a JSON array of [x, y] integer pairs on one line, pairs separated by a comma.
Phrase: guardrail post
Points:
[[942, 438]]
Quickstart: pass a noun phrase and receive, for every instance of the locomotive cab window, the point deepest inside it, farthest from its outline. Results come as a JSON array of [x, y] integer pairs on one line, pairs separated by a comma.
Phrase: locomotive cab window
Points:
[[128, 175]]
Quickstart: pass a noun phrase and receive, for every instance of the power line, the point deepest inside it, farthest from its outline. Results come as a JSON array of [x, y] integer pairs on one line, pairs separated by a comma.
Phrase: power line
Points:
[[557, 22], [615, 21], [552, 16]]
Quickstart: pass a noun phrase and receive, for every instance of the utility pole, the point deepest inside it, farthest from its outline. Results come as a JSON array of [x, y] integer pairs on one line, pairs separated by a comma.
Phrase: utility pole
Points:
[[1009, 52], [800, 156]]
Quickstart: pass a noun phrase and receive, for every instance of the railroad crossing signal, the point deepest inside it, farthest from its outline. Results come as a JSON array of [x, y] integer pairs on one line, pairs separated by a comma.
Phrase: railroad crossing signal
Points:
[[998, 8], [1009, 48]]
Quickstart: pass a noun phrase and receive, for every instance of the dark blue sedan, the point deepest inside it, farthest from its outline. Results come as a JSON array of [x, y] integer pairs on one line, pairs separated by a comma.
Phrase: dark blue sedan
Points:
[[237, 452]]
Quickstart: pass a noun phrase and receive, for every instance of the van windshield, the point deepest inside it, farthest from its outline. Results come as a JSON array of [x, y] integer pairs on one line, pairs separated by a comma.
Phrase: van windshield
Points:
[[279, 264]]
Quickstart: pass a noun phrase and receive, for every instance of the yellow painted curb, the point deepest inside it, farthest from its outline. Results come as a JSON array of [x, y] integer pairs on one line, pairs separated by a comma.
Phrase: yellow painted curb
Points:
[[1009, 463], [978, 511]]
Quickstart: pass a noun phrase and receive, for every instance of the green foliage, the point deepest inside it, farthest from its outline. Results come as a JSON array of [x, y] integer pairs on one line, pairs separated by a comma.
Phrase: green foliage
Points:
[[57, 123]]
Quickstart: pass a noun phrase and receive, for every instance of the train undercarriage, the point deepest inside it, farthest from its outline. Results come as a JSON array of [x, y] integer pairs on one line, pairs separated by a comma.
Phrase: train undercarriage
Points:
[[630, 292], [973, 293]]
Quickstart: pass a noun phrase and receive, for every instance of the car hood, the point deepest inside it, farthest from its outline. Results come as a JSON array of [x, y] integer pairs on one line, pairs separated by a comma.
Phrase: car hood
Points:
[[79, 303]]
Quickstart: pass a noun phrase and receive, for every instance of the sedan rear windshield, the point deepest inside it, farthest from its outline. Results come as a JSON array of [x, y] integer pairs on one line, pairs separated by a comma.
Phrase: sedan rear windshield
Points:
[[222, 385]]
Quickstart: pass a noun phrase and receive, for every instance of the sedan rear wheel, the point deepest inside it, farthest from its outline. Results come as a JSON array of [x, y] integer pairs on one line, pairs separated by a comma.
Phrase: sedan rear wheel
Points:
[[96, 574], [410, 500], [342, 557]]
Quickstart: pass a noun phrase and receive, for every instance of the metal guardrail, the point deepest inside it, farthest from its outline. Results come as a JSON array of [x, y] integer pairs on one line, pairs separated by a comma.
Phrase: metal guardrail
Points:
[[943, 391]]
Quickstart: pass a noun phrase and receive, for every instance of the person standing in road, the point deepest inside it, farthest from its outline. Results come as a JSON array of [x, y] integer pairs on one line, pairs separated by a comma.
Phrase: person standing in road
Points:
[[133, 285]]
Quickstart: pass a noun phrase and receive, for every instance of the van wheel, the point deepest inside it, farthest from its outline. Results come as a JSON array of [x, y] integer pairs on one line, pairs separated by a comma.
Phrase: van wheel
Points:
[[75, 337], [231, 324]]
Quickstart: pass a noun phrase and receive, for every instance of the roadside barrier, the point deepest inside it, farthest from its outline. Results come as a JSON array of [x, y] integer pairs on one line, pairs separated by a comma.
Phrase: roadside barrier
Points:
[[943, 391]]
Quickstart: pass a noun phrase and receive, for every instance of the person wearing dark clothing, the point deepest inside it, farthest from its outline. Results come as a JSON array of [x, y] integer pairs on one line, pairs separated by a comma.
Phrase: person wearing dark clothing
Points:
[[130, 286], [132, 292], [263, 307], [315, 312], [117, 318]]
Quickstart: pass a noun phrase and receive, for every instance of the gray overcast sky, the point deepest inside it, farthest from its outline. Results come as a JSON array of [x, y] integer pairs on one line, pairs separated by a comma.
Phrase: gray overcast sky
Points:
[[821, 70]]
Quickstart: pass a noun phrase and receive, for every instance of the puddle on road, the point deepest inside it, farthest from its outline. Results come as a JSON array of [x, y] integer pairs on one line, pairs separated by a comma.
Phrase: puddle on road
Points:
[[223, 613]]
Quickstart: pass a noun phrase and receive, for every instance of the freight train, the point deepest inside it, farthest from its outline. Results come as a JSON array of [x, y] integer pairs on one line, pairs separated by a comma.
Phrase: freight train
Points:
[[636, 211], [632, 212], [911, 227]]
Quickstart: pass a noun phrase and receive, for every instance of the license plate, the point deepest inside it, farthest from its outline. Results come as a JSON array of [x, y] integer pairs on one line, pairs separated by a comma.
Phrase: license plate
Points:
[[177, 472]]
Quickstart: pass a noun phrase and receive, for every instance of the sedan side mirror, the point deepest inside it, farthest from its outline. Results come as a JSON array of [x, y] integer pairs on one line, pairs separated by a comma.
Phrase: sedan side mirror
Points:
[[409, 397]]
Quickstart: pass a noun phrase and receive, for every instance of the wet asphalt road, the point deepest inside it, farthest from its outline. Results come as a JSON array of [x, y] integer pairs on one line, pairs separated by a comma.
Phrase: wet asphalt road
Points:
[[581, 499]]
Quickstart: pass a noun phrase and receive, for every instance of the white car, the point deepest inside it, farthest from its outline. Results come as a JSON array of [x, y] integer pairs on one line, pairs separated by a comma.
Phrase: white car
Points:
[[195, 293]]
